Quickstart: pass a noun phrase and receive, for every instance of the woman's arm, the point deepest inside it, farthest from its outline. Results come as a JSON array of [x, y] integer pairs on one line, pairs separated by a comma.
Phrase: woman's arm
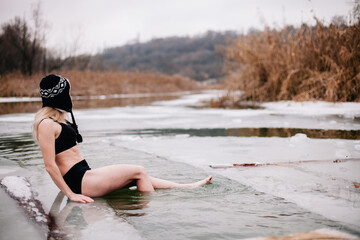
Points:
[[46, 136]]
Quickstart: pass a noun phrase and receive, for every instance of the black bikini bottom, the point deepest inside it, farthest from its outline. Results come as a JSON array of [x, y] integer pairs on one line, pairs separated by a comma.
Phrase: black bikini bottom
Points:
[[74, 176]]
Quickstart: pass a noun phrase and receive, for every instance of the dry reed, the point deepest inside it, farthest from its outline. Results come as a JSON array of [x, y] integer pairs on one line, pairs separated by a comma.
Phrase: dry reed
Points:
[[309, 63], [89, 83]]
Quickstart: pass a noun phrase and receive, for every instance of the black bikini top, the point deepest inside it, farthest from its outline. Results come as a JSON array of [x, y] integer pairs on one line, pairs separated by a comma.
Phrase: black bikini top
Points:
[[66, 138]]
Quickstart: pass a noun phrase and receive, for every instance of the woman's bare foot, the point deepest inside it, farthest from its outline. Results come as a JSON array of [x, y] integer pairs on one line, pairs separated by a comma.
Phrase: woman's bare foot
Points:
[[197, 184]]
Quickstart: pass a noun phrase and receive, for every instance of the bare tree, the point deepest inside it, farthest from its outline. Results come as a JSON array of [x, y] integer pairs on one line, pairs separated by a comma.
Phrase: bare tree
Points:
[[21, 46], [356, 9], [14, 45], [39, 38]]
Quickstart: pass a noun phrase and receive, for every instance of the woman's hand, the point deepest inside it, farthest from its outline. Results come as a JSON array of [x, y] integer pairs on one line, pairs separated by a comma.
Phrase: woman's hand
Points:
[[80, 198]]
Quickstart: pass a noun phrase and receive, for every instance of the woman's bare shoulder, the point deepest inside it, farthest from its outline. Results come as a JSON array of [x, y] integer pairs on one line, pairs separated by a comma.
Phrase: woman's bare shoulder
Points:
[[47, 130], [47, 124]]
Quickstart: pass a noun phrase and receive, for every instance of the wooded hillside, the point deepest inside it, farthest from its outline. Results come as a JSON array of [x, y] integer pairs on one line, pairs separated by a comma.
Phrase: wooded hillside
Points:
[[198, 57]]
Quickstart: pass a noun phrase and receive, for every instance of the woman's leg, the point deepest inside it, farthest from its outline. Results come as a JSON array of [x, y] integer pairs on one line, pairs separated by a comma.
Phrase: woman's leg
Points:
[[101, 181], [158, 183]]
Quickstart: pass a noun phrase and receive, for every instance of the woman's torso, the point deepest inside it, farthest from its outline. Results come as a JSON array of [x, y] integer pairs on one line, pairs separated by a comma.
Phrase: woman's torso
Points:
[[69, 157], [65, 160]]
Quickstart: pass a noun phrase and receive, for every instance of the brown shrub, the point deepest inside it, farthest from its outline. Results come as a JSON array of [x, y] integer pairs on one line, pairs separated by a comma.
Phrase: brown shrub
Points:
[[309, 63], [88, 83]]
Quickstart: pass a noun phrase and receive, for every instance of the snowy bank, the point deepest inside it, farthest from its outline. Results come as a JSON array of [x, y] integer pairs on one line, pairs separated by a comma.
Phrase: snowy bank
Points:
[[19, 189]]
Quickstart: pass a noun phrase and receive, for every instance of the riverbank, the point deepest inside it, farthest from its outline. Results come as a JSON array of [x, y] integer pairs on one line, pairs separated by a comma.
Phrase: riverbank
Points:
[[32, 104], [94, 83]]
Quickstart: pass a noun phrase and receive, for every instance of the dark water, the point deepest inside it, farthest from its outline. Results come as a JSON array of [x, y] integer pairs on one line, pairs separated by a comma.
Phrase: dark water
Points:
[[253, 132], [30, 107]]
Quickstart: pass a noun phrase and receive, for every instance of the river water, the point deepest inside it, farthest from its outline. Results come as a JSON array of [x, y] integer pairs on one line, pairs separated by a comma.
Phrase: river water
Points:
[[307, 156]]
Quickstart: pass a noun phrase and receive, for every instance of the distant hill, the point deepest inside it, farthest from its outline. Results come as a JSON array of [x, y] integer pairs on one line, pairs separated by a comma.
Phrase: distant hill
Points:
[[196, 57]]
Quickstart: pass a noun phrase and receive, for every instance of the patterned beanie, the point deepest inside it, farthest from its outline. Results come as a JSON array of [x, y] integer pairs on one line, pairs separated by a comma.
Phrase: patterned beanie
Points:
[[55, 93]]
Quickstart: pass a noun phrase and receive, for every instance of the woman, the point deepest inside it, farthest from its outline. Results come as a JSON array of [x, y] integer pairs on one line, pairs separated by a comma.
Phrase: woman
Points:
[[70, 172]]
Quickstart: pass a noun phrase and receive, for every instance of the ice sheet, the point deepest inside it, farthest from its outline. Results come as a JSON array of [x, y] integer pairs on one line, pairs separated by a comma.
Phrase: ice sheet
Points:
[[186, 112], [317, 184]]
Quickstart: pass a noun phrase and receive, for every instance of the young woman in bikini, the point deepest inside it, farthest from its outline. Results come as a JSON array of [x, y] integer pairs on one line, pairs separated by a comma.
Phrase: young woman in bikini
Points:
[[58, 140]]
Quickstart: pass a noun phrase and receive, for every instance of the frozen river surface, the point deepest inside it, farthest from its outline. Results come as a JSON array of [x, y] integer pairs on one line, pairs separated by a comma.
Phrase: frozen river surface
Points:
[[306, 176]]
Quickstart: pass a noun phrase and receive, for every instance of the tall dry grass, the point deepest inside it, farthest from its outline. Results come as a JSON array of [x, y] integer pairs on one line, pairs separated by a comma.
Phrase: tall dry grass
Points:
[[89, 83], [309, 63]]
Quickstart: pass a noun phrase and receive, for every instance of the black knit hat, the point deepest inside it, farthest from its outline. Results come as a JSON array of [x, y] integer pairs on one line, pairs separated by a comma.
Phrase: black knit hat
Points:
[[55, 93]]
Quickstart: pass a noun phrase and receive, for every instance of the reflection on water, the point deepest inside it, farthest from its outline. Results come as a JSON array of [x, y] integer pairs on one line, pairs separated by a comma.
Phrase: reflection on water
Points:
[[223, 210], [251, 132], [19, 148], [128, 203], [119, 102], [232, 210], [74, 218], [14, 142], [19, 107], [29, 107]]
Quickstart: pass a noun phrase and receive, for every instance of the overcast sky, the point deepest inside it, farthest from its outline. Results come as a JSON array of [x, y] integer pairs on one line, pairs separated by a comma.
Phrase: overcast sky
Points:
[[96, 24]]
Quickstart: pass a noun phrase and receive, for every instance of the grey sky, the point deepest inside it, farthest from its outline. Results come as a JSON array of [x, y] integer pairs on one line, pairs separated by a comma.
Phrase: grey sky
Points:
[[95, 24]]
